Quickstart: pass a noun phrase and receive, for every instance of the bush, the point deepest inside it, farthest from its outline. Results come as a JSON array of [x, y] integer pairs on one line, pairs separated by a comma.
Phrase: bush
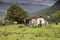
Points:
[[20, 26], [5, 33]]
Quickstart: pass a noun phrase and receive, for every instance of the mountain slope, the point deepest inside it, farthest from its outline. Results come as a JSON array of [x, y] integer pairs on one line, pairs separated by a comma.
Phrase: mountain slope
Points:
[[50, 10]]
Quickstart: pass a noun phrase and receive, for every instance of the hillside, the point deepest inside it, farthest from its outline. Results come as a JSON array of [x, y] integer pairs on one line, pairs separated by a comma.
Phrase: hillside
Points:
[[50, 10]]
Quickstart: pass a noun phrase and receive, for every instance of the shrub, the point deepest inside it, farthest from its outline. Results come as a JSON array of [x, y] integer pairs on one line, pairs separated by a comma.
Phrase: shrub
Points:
[[20, 26], [5, 33]]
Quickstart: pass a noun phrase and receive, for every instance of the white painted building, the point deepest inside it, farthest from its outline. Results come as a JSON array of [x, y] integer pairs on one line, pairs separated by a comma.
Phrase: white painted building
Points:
[[37, 21]]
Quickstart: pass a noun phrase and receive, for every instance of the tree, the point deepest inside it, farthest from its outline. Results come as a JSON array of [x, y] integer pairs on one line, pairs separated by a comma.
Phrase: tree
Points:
[[16, 13], [56, 14]]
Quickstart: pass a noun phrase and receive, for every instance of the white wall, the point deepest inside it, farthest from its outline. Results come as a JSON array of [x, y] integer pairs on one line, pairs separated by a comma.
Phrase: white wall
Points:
[[36, 22], [40, 19]]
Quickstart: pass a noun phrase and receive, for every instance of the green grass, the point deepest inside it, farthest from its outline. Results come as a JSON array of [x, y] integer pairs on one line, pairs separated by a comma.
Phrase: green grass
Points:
[[17, 32]]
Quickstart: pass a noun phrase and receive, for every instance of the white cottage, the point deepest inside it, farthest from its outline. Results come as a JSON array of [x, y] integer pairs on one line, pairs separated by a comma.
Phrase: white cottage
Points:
[[36, 21]]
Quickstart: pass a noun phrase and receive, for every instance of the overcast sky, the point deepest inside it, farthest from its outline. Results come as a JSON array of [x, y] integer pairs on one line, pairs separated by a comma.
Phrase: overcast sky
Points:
[[45, 2]]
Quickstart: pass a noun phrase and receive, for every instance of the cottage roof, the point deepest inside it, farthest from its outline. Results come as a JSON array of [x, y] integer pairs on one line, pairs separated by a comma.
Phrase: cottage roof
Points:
[[37, 17]]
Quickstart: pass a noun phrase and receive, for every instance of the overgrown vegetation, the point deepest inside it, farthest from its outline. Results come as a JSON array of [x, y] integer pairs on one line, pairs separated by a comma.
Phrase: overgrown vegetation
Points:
[[15, 32]]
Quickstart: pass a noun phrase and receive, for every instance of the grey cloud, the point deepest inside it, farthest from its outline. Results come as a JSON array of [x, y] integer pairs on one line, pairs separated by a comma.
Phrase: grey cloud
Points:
[[31, 1]]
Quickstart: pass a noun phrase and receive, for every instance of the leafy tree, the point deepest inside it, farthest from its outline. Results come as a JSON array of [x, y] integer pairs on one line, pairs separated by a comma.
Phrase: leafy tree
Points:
[[56, 14], [16, 13]]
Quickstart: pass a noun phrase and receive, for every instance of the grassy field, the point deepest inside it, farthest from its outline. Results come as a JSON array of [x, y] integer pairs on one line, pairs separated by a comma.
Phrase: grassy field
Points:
[[16, 32]]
